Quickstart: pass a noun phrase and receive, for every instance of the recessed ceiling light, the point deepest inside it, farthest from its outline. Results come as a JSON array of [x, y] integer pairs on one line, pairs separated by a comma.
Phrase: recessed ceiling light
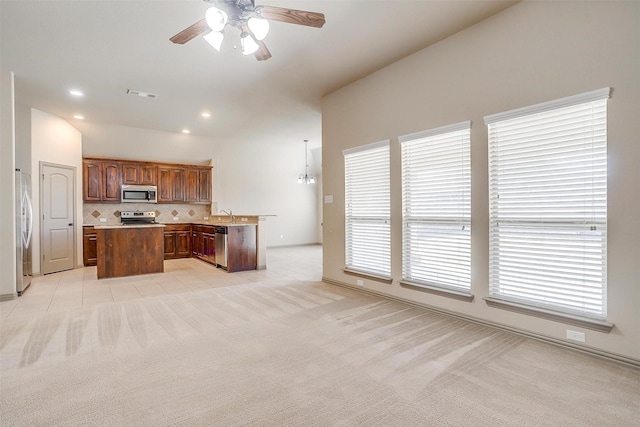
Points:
[[206, 115], [76, 93], [186, 131], [79, 117]]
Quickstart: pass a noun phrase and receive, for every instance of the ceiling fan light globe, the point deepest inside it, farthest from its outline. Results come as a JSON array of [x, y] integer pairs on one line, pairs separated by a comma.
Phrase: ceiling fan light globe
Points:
[[214, 38], [259, 27], [216, 18], [249, 45]]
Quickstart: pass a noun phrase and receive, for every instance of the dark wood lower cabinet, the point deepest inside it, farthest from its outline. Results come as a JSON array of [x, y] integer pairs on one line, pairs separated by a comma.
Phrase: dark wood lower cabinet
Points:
[[193, 240], [89, 246], [177, 241]]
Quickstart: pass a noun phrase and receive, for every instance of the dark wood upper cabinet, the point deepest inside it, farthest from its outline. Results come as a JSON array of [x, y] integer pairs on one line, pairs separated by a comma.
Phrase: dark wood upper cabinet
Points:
[[192, 187], [178, 184], [130, 173], [204, 177], [103, 178], [100, 181], [111, 172], [148, 174], [92, 180], [164, 184]]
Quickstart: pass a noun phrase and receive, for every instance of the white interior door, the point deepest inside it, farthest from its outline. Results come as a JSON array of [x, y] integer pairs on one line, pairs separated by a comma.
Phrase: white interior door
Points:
[[58, 218]]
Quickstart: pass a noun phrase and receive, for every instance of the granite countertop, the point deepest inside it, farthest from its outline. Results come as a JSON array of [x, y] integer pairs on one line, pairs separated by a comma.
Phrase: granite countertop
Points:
[[164, 224], [112, 226]]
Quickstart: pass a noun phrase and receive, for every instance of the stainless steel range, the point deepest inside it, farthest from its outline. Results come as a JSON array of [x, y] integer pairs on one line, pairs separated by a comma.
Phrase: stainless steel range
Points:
[[138, 217]]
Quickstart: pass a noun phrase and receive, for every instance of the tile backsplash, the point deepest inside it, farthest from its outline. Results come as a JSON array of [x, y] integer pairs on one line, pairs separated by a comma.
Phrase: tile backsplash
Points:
[[165, 213]]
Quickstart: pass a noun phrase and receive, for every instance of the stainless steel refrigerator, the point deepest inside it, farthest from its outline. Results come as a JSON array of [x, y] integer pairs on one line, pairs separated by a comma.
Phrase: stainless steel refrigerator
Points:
[[24, 227]]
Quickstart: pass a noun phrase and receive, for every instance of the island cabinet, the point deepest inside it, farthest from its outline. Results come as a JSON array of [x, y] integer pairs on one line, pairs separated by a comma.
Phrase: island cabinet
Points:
[[177, 241], [100, 180], [129, 250], [241, 248], [89, 246]]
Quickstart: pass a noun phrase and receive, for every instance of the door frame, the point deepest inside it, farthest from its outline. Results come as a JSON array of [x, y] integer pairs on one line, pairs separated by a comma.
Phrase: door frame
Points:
[[40, 213]]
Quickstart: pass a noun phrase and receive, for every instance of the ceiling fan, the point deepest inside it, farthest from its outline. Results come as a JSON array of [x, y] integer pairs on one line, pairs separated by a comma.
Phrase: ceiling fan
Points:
[[251, 20]]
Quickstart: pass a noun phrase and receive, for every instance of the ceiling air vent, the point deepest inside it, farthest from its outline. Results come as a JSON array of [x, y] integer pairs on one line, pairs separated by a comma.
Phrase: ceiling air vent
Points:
[[142, 94]]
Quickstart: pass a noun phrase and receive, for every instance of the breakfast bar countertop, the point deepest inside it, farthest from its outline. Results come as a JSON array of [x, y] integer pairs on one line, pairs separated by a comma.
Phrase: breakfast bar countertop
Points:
[[120, 225]]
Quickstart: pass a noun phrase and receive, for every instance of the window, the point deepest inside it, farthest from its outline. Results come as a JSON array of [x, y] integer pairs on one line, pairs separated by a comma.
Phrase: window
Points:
[[548, 205], [367, 213], [436, 201]]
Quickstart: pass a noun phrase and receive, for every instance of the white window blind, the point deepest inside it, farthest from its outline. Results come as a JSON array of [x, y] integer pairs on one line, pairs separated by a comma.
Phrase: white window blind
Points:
[[367, 210], [548, 205], [436, 200]]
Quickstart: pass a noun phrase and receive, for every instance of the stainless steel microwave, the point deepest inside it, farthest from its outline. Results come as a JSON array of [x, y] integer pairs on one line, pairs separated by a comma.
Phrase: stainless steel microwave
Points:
[[139, 194]]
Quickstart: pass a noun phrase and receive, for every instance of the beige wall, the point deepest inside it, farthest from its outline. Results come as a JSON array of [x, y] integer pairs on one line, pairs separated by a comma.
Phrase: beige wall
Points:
[[7, 188], [250, 177], [54, 141], [530, 53]]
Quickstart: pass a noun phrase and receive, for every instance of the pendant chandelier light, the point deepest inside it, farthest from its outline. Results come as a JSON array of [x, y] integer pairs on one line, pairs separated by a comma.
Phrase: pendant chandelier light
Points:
[[217, 19], [306, 178]]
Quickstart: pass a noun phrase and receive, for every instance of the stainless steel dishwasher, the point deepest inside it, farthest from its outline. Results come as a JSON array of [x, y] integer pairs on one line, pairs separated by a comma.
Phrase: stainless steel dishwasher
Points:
[[221, 246]]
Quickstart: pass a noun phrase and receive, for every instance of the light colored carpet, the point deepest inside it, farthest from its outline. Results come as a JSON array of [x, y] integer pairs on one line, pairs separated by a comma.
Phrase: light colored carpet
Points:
[[295, 353]]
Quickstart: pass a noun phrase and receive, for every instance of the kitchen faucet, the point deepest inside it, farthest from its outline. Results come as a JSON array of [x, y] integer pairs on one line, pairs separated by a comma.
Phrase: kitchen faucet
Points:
[[228, 212]]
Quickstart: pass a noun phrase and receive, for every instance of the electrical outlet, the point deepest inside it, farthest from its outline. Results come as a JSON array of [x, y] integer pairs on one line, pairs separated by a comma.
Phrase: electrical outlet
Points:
[[576, 336], [360, 282], [206, 218], [103, 219], [282, 236], [243, 219], [175, 218]]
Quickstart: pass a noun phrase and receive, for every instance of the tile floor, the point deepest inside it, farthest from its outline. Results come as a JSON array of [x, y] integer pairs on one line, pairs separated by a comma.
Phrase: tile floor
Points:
[[78, 288]]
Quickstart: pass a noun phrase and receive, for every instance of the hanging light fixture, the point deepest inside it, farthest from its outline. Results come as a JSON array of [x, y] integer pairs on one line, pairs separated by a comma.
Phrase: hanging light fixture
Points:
[[248, 44], [214, 38], [306, 178], [216, 18], [259, 27]]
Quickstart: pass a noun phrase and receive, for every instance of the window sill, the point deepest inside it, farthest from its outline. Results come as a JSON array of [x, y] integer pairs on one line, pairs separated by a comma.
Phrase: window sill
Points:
[[366, 275], [595, 325], [444, 292]]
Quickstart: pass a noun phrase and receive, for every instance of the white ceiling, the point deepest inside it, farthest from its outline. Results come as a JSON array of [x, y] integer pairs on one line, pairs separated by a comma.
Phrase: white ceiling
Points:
[[106, 47]]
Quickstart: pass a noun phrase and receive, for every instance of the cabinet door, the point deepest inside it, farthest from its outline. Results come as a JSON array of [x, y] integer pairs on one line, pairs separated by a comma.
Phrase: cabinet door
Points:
[[177, 184], [183, 244], [111, 183], [91, 181], [204, 187], [148, 174], [169, 244], [192, 186], [164, 185], [130, 173], [89, 248], [241, 248], [197, 244], [211, 248]]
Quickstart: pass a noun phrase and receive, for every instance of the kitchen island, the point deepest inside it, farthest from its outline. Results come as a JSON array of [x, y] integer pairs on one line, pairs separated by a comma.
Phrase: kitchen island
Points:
[[128, 250]]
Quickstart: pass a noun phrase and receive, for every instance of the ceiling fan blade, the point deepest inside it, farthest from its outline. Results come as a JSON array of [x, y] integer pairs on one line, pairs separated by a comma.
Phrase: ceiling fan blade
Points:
[[263, 53], [292, 16], [190, 32]]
